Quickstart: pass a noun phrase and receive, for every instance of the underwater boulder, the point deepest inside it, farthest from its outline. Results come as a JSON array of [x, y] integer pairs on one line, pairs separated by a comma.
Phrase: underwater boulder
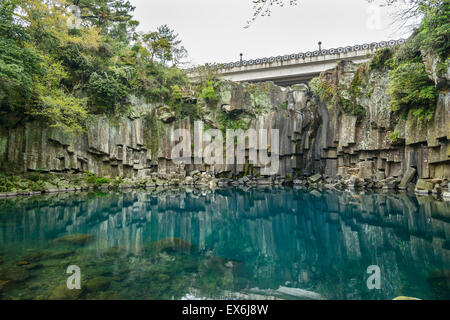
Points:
[[18, 275], [76, 239], [63, 293], [171, 245], [97, 284]]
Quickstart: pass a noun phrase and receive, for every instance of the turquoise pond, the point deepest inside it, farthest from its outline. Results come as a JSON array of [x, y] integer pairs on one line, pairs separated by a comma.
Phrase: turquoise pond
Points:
[[260, 243]]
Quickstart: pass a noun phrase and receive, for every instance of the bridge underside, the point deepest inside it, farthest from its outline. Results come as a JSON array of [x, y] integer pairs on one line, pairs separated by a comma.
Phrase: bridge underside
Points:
[[287, 74], [286, 81]]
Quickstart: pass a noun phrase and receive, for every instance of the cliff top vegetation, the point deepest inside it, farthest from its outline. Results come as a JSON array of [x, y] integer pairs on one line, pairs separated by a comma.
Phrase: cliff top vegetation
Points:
[[59, 62]]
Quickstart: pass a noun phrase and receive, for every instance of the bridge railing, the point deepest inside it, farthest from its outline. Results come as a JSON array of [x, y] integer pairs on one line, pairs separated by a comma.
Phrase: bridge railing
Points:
[[309, 54]]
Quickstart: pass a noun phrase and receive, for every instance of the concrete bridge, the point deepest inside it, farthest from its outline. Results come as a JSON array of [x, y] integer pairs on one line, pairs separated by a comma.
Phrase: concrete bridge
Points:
[[294, 68]]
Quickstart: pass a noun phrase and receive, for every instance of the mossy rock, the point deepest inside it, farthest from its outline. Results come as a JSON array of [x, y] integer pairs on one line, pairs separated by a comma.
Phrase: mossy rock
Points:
[[63, 293], [32, 257], [115, 251], [109, 295], [6, 285], [18, 274], [424, 185], [33, 266], [97, 284], [171, 245], [76, 239], [60, 254]]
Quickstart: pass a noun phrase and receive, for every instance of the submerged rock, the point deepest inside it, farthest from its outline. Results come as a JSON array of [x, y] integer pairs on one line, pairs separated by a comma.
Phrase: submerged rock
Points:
[[76, 239], [6, 285], [60, 254], [63, 293], [33, 266], [33, 257], [171, 244], [97, 284], [18, 274]]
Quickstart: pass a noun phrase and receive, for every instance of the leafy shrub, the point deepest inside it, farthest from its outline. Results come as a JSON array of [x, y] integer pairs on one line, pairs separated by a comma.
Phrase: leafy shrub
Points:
[[435, 28], [393, 136], [320, 87], [108, 89], [410, 87], [380, 59], [208, 92], [97, 181]]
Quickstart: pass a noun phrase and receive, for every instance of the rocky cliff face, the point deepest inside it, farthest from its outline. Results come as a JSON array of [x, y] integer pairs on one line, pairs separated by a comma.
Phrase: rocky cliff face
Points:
[[314, 137]]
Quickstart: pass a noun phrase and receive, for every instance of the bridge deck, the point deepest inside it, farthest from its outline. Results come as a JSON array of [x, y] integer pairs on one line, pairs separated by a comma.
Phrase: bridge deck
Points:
[[295, 68]]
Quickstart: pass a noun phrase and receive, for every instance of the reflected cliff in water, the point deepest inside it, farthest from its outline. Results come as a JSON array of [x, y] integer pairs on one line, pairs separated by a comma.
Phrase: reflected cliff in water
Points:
[[274, 243]]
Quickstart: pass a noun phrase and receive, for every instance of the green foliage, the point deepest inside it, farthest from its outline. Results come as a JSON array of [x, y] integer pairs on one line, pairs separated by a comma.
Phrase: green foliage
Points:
[[337, 93], [410, 87], [159, 81], [113, 17], [208, 92], [434, 30], [354, 92], [176, 92], [235, 123], [97, 181], [164, 46], [380, 59], [323, 88], [19, 61], [58, 74], [108, 90], [393, 136], [408, 52], [422, 115]]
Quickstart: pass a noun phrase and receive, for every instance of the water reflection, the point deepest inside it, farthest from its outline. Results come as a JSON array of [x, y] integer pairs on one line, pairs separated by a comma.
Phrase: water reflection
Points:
[[229, 243]]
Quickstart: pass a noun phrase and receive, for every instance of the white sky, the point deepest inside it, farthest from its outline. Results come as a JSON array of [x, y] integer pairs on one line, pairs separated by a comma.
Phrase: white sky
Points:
[[213, 30]]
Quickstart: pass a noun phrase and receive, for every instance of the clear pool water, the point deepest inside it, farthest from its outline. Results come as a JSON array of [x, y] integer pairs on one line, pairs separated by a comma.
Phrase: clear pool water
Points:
[[261, 243]]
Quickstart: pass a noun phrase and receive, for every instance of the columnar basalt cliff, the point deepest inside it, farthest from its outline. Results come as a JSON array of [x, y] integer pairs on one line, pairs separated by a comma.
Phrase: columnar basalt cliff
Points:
[[366, 140]]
